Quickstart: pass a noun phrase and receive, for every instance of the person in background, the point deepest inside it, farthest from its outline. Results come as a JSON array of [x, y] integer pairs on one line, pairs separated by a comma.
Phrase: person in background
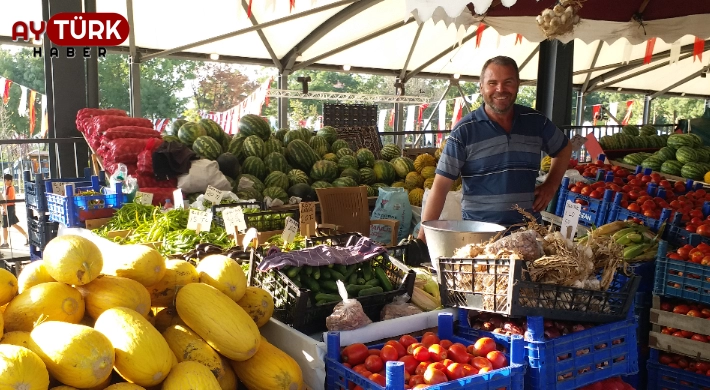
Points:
[[9, 218], [496, 150]]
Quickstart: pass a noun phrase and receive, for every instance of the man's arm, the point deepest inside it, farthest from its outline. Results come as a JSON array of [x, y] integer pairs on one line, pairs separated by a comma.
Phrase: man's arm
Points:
[[435, 201], [545, 191]]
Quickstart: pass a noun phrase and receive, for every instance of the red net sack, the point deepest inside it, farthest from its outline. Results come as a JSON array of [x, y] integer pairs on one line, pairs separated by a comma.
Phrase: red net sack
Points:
[[125, 150], [84, 116], [160, 194], [145, 158], [102, 123], [129, 132], [148, 181]]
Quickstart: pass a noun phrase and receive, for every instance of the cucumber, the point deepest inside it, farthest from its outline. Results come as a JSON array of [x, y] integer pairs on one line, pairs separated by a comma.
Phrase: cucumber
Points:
[[325, 273], [367, 271], [341, 268], [352, 279], [361, 281], [335, 275], [297, 283], [354, 289], [373, 283], [309, 270], [325, 298], [312, 285], [329, 285], [316, 273], [350, 270], [370, 291], [293, 272], [384, 280]]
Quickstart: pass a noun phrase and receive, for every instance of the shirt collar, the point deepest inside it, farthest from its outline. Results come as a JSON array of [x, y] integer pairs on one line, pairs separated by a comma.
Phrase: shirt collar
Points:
[[480, 114]]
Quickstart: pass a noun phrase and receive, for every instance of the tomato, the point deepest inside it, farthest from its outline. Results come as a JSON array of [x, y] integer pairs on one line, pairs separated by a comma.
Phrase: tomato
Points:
[[697, 214], [445, 344], [416, 380], [691, 228], [379, 379], [633, 207], [681, 309], [696, 221], [447, 362], [455, 371], [586, 191], [482, 346], [469, 370], [697, 257], [412, 347], [401, 351], [421, 367], [437, 353], [421, 353], [429, 340], [457, 352], [694, 313], [374, 351], [683, 362], [684, 253], [481, 363], [374, 363], [410, 363], [436, 366], [407, 340], [699, 337], [705, 313], [355, 354], [498, 360], [597, 194], [389, 354], [434, 377], [665, 359], [703, 230]]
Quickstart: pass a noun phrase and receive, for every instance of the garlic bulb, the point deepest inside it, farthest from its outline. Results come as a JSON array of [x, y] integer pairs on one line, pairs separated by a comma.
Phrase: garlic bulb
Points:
[[559, 9]]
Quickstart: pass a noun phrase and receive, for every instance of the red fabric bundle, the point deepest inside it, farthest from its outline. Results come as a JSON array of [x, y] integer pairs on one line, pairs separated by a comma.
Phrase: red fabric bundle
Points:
[[129, 132], [145, 158], [148, 181], [160, 194], [125, 150]]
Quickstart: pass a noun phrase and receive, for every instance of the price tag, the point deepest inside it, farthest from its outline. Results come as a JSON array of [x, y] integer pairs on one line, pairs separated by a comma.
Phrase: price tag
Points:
[[144, 198], [577, 142], [307, 219], [214, 195], [570, 219], [58, 188], [290, 230], [234, 217], [178, 201], [200, 221]]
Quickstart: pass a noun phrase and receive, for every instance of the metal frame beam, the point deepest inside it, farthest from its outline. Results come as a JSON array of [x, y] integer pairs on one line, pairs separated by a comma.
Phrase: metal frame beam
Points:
[[585, 86], [680, 82], [261, 26], [322, 30], [647, 92], [311, 61], [411, 51], [530, 57], [134, 71], [368, 98], [436, 108], [92, 67], [640, 72], [438, 56], [265, 41]]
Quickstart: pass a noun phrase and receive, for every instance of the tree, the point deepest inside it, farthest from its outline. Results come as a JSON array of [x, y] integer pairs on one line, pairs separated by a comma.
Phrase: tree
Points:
[[221, 87], [23, 69]]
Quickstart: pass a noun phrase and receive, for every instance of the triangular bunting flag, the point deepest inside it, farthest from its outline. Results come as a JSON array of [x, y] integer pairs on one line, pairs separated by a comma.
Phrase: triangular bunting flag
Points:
[[675, 52], [518, 39], [627, 53], [698, 49], [6, 91], [33, 117], [479, 33], [649, 51], [22, 108]]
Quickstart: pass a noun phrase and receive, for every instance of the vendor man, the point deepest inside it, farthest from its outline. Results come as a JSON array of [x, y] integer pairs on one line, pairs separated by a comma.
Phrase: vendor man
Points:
[[496, 150]]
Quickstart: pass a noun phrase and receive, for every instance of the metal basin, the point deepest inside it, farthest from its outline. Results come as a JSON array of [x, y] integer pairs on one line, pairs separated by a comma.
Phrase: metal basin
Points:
[[444, 237]]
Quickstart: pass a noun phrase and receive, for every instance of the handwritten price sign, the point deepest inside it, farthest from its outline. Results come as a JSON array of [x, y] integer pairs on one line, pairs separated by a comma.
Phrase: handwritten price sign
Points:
[[234, 217], [213, 194], [290, 230], [307, 218], [570, 219], [200, 221], [144, 198]]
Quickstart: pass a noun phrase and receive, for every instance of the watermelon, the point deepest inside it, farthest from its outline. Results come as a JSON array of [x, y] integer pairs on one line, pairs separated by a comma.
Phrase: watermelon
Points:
[[693, 170], [672, 167], [344, 152], [677, 140], [235, 146], [213, 129], [686, 154], [319, 145], [371, 191], [296, 176], [228, 165], [365, 158], [307, 133], [384, 172], [367, 176], [253, 146], [255, 166], [249, 194], [303, 191], [300, 155], [390, 151], [331, 157], [189, 132], [226, 140], [344, 182], [273, 145], [324, 170], [653, 163], [279, 134], [377, 187], [251, 124], [276, 193], [293, 135], [321, 184], [257, 184], [402, 165], [207, 147], [698, 140], [630, 130], [329, 133], [277, 179], [170, 138], [703, 155], [338, 144], [347, 162], [351, 173], [666, 153], [276, 162], [648, 130], [175, 126]]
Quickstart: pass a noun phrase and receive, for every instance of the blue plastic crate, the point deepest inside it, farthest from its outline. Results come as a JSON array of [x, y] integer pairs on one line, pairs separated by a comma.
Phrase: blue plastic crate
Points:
[[465, 330], [509, 378], [661, 376], [593, 213], [681, 279], [619, 213], [35, 190], [584, 362], [645, 270], [72, 211]]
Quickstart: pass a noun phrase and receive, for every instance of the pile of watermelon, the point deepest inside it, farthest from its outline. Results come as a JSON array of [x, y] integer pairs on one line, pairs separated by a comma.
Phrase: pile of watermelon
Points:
[[631, 137], [684, 156]]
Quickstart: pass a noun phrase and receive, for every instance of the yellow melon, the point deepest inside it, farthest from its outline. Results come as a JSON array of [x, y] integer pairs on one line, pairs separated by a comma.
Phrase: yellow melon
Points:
[[33, 274], [223, 324], [224, 274], [125, 386], [190, 375], [415, 197], [269, 369], [428, 172], [8, 286], [424, 160], [229, 379], [138, 262], [73, 260], [259, 304], [112, 291], [166, 318], [187, 345], [51, 301], [2, 326], [177, 274], [76, 355], [142, 354], [21, 369], [63, 387], [414, 180], [18, 337], [428, 183]]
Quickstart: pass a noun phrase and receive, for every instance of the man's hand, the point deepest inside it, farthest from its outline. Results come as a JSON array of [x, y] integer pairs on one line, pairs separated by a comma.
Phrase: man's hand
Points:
[[543, 195], [421, 235]]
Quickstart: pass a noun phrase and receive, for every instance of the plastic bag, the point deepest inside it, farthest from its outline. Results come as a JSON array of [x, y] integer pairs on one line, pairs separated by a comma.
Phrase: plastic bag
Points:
[[452, 205], [524, 242], [392, 203], [113, 167], [399, 308], [348, 314], [120, 175], [203, 173]]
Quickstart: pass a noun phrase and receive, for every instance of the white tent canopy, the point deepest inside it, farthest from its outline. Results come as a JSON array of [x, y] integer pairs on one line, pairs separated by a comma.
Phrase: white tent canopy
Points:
[[386, 44]]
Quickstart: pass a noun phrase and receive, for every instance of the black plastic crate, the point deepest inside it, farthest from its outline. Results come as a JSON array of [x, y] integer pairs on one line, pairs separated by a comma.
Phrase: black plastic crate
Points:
[[342, 239], [296, 306], [463, 283], [41, 231], [267, 221], [217, 210]]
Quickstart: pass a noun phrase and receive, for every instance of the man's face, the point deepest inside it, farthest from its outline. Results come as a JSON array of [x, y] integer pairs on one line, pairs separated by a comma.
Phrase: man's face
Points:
[[499, 87]]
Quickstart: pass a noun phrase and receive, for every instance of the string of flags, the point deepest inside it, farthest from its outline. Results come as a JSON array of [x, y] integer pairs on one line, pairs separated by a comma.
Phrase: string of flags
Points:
[[27, 104], [698, 49], [613, 109]]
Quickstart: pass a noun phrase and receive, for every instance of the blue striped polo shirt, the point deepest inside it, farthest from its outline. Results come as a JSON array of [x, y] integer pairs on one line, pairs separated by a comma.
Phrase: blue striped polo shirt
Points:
[[498, 168]]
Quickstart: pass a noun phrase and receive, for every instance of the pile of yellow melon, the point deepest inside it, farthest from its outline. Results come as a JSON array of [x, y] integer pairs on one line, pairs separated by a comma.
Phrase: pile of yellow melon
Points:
[[423, 177], [84, 319]]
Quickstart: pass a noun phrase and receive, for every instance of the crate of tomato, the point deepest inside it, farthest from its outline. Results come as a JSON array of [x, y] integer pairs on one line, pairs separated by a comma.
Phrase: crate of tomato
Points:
[[671, 371], [594, 198], [681, 327], [684, 273], [435, 361]]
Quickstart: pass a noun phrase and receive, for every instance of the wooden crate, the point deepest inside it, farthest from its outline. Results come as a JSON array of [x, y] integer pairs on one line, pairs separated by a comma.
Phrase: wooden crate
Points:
[[665, 342], [413, 153]]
